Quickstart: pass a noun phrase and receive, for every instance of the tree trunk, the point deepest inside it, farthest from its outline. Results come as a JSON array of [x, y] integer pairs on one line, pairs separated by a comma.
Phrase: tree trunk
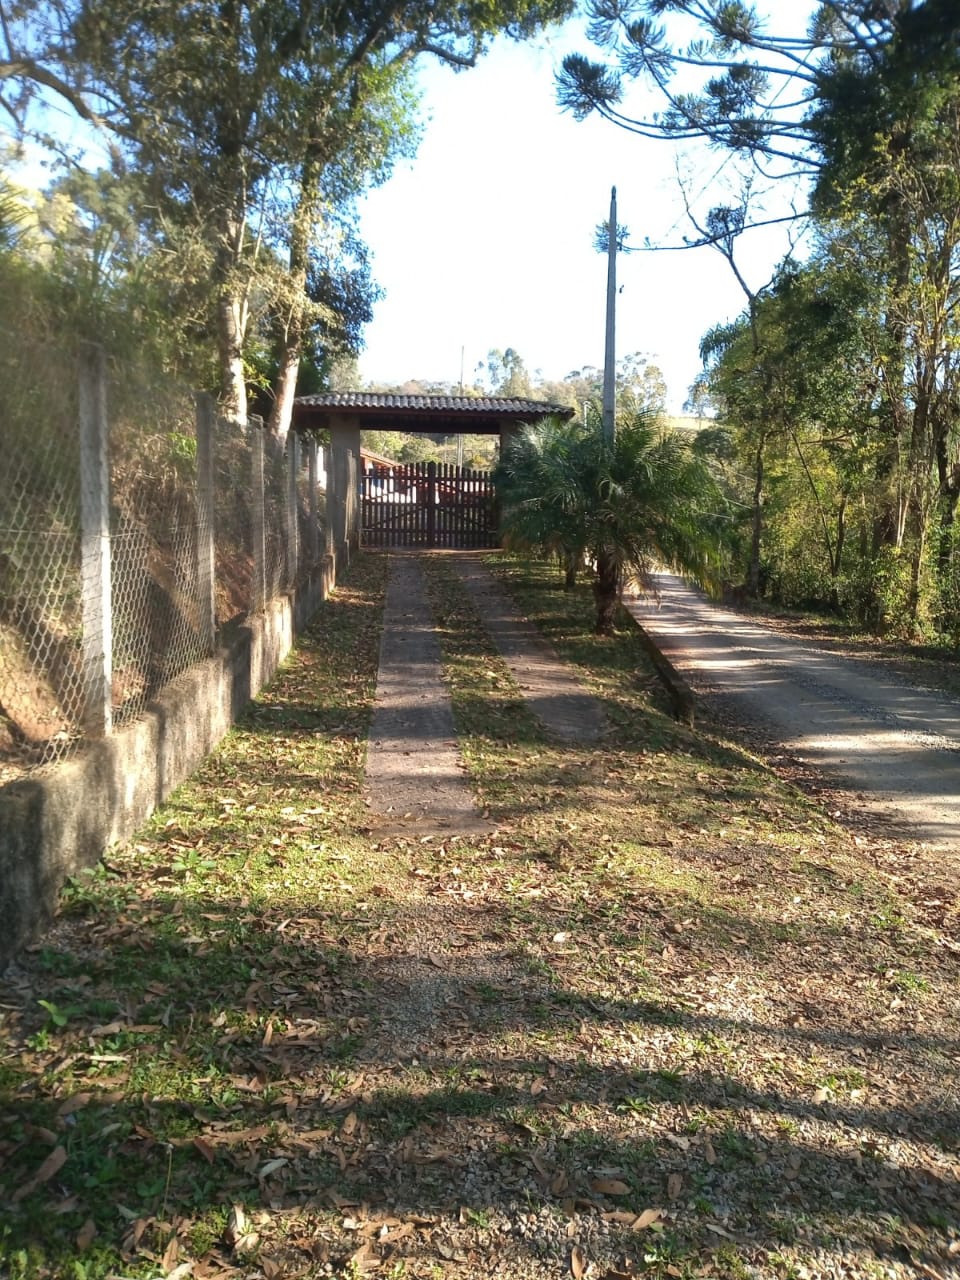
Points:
[[606, 593], [571, 564], [836, 563], [917, 552], [753, 570], [948, 475], [893, 414], [232, 319], [231, 326], [291, 346]]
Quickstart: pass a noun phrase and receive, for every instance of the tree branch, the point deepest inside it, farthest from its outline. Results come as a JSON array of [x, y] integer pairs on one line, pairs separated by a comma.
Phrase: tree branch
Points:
[[707, 239], [20, 68]]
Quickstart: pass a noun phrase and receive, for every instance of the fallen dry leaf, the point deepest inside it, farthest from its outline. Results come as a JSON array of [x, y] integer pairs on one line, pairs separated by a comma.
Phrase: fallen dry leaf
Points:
[[609, 1187], [181, 1272], [365, 1258], [236, 1226], [205, 1150], [646, 1219], [578, 1262], [73, 1103], [717, 1230], [170, 1255], [86, 1234], [53, 1163]]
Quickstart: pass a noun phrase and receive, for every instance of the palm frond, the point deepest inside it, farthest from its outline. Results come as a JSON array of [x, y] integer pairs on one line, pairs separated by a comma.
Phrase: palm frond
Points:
[[643, 498]]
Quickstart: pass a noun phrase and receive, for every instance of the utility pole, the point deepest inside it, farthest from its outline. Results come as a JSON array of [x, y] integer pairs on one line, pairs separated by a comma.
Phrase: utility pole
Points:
[[610, 349]]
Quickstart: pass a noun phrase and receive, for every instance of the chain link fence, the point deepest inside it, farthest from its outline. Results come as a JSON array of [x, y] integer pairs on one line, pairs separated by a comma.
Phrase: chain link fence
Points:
[[41, 673], [134, 526]]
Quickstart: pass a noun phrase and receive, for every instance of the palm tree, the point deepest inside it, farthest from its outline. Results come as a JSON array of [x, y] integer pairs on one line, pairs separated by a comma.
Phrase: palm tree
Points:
[[542, 502], [627, 505]]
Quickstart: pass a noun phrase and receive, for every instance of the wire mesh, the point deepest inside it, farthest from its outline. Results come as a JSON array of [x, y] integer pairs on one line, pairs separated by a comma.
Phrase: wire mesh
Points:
[[41, 671], [276, 575], [116, 610], [233, 523], [308, 539], [153, 542]]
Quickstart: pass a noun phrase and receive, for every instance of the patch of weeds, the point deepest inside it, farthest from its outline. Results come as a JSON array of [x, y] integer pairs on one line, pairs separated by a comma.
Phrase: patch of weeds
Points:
[[60, 964], [733, 1144], [935, 1217], [847, 1078], [670, 1085], [343, 1048], [58, 1016], [697, 1121], [728, 1262], [98, 890], [907, 981], [664, 1254], [207, 1230], [786, 1268], [888, 919], [637, 1105], [706, 1045], [191, 862]]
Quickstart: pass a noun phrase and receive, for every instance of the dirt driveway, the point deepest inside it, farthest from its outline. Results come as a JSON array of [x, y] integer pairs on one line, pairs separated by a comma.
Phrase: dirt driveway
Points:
[[865, 729]]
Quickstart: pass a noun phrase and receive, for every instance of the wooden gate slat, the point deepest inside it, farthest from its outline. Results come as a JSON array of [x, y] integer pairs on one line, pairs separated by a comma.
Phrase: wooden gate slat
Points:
[[426, 504]]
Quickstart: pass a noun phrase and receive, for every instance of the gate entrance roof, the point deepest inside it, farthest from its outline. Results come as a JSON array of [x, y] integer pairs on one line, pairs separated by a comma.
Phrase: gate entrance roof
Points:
[[447, 415]]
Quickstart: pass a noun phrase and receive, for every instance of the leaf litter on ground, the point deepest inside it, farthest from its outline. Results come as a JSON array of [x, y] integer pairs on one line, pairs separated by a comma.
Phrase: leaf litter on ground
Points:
[[667, 1018]]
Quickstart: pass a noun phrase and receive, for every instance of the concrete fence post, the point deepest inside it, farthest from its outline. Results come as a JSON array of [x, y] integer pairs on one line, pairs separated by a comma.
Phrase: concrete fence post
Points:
[[314, 547], [329, 545], [293, 524], [353, 507], [95, 542], [337, 502], [257, 515], [206, 553]]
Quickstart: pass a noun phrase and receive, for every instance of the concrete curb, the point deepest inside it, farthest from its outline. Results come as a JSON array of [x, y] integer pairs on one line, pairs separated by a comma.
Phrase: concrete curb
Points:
[[56, 823], [682, 700]]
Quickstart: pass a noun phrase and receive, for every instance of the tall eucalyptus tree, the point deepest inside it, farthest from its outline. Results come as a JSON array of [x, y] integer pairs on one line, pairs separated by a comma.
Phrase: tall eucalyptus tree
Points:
[[252, 116]]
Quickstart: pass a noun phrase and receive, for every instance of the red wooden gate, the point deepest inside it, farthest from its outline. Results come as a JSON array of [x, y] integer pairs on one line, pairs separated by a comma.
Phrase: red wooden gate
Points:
[[427, 504]]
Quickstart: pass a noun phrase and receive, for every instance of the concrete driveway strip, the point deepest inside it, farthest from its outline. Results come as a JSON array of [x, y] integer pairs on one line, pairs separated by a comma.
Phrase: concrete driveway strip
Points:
[[415, 783], [896, 744], [561, 704]]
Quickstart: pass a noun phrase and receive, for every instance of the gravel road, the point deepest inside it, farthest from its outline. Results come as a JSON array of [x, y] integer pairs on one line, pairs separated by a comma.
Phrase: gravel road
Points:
[[898, 746]]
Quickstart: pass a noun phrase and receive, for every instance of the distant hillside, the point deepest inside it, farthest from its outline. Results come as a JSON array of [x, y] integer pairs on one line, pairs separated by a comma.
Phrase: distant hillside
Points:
[[686, 422]]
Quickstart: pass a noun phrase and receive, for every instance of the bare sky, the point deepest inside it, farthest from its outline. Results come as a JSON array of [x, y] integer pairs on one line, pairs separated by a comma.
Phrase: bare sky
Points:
[[486, 239]]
